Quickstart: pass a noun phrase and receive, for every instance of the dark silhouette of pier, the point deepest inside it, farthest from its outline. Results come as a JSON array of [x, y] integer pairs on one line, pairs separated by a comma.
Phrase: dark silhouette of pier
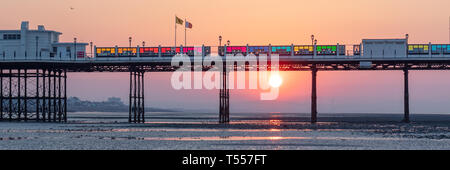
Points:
[[36, 90]]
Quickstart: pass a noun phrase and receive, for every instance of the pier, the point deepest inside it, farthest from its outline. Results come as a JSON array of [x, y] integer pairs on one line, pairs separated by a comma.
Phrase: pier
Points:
[[33, 71], [36, 89]]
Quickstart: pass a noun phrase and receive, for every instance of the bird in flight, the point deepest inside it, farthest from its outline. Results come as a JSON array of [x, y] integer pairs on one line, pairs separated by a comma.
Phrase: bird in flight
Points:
[[71, 8]]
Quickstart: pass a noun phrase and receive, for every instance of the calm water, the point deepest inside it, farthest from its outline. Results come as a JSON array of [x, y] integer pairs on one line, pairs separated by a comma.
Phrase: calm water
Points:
[[246, 131]]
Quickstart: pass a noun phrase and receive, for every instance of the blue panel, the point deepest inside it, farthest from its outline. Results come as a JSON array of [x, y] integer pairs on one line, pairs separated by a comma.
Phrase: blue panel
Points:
[[251, 49]]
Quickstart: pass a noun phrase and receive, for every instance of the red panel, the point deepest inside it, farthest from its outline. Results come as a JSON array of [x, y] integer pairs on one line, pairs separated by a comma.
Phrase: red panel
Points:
[[80, 54]]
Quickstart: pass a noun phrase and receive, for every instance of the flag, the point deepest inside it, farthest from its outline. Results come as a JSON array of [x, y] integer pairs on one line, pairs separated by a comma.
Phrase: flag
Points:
[[188, 25], [178, 20]]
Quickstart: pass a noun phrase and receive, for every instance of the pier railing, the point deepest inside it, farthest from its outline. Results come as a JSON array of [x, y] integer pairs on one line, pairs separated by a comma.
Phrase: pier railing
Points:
[[344, 51]]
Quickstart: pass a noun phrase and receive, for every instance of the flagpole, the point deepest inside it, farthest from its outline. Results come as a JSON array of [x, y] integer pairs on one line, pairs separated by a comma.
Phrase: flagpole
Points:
[[175, 45], [185, 32]]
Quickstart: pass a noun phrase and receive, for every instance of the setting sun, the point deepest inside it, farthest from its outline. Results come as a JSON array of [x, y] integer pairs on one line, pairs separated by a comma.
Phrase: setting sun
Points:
[[275, 80]]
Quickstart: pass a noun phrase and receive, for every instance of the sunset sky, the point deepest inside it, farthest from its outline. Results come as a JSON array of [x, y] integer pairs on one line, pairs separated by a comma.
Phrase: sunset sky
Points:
[[259, 22]]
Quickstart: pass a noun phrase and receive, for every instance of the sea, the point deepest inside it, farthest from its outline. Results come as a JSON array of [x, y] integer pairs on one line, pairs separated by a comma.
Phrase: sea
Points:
[[246, 131]]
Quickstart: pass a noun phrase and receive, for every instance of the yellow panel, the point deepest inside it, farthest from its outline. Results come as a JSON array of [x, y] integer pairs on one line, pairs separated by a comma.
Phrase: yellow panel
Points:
[[113, 50], [411, 48], [425, 47], [420, 46]]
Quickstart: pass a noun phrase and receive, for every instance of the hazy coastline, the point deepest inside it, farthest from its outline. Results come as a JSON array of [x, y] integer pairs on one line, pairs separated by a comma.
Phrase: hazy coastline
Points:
[[112, 104]]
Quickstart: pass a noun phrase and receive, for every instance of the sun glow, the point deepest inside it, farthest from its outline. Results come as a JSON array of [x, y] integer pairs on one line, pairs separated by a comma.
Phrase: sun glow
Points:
[[275, 80]]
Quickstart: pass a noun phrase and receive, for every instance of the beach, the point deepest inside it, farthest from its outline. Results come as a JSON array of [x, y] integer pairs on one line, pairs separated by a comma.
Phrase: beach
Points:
[[246, 131]]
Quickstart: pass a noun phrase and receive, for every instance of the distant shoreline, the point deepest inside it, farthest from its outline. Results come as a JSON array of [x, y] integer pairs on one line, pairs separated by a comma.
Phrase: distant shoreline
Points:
[[113, 104]]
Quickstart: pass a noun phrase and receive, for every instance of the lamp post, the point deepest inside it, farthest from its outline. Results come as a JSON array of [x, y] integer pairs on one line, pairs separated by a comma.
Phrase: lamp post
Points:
[[407, 37], [37, 45], [315, 47], [143, 43], [228, 42], [92, 54], [75, 47], [129, 39], [312, 39], [220, 40]]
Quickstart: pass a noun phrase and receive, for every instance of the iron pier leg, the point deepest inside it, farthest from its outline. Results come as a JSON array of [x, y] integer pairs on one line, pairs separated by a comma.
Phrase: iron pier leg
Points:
[[143, 103], [59, 96], [25, 95], [134, 97], [18, 104], [314, 95], [1, 94], [37, 95], [54, 96], [227, 99], [49, 96], [129, 104], [221, 101], [136, 101], [139, 97], [44, 109], [224, 97], [406, 95], [10, 96], [19, 97], [65, 95]]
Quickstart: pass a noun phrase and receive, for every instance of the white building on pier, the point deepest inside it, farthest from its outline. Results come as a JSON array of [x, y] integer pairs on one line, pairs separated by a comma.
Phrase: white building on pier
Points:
[[37, 44]]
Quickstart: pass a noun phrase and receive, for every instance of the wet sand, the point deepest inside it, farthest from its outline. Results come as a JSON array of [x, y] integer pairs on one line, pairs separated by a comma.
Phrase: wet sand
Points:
[[272, 131]]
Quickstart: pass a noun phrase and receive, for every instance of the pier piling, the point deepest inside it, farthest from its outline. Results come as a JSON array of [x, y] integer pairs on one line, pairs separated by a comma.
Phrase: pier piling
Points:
[[406, 94], [314, 94], [136, 103], [224, 99], [27, 98]]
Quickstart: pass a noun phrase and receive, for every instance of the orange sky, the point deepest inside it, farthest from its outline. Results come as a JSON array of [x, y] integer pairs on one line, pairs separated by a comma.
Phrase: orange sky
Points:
[[258, 22], [111, 22]]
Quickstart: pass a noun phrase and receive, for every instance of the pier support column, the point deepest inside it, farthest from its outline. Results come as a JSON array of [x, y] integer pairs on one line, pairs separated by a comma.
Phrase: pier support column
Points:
[[1, 94], [136, 104], [65, 95], [27, 94], [406, 95], [224, 99], [314, 95]]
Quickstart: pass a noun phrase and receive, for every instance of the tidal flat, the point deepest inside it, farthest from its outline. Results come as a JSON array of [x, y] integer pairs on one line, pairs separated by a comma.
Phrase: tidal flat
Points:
[[246, 131]]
